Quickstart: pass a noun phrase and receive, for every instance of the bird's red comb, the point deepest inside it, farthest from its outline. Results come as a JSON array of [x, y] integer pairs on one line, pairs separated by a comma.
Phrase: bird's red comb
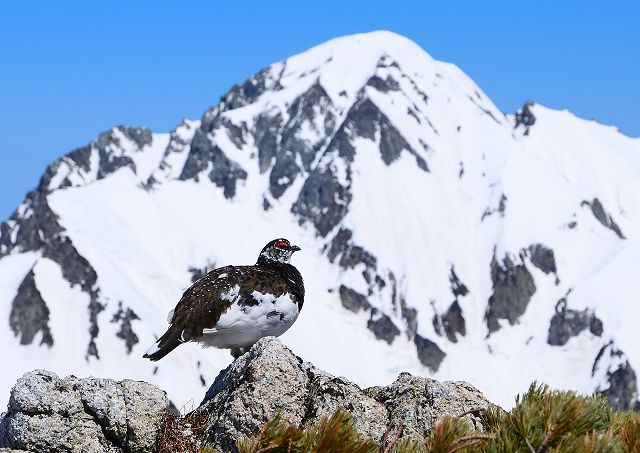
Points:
[[281, 244]]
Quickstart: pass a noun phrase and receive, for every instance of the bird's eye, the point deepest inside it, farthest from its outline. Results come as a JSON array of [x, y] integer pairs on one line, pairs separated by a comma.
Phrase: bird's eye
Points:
[[281, 244]]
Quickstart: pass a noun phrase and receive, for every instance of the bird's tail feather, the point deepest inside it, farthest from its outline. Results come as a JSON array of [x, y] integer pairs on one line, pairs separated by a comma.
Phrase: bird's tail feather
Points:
[[171, 339]]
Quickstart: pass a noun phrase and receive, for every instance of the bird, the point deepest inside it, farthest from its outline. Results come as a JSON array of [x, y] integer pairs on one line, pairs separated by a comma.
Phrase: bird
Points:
[[232, 307]]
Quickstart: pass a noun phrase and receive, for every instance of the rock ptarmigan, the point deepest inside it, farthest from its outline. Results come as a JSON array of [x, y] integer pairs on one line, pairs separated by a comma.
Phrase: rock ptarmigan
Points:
[[232, 307]]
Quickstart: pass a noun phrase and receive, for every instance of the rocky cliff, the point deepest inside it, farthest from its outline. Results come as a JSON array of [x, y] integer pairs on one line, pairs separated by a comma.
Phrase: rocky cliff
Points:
[[50, 414]]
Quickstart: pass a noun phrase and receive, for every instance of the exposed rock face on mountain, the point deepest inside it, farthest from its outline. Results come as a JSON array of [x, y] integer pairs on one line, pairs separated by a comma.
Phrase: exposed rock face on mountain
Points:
[[49, 414], [438, 233]]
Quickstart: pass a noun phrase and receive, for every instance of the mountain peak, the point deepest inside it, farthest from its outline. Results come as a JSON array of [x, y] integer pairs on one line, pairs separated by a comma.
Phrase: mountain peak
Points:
[[343, 65]]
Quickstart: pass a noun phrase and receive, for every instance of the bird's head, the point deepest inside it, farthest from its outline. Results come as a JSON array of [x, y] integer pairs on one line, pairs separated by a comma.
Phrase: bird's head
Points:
[[279, 250]]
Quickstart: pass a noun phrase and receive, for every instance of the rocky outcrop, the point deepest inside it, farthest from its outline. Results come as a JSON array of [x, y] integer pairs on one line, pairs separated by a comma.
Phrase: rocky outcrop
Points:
[[50, 414], [124, 317], [382, 326], [326, 193], [206, 157], [30, 226], [271, 379], [525, 117], [111, 151], [567, 323], [292, 150], [450, 323], [543, 258], [30, 314], [353, 300], [351, 255], [618, 381], [513, 286], [603, 217], [429, 353], [247, 93]]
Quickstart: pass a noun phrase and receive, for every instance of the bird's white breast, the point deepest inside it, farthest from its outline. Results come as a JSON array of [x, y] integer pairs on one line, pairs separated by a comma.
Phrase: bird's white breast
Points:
[[243, 325]]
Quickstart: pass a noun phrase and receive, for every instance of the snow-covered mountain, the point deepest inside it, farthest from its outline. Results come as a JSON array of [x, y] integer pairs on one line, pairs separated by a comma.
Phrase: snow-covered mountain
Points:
[[439, 235]]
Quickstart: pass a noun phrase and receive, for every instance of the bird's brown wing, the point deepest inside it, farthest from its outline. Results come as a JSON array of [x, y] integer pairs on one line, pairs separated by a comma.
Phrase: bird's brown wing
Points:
[[202, 304], [200, 307]]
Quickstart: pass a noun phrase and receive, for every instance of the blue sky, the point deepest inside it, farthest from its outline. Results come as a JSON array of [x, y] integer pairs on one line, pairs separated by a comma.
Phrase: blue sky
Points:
[[70, 70]]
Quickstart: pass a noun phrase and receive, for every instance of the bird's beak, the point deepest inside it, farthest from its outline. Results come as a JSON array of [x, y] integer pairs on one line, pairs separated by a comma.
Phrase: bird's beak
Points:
[[295, 248]]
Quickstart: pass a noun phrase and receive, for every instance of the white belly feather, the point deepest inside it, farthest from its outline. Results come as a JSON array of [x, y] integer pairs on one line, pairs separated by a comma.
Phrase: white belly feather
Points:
[[242, 326]]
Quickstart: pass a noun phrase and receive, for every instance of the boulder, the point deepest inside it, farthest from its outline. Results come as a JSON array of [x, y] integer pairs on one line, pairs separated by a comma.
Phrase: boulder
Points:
[[270, 379], [50, 414]]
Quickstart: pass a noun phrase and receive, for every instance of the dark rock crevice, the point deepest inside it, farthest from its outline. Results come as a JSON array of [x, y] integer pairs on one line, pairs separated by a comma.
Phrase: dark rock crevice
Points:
[[525, 117], [620, 384], [178, 144], [291, 153], [75, 167], [30, 226], [567, 323], [383, 85], [410, 316], [353, 300], [314, 103], [204, 156], [458, 289], [323, 200], [326, 193], [484, 110], [76, 162], [126, 333], [366, 120], [351, 255], [382, 326], [500, 209], [450, 323], [429, 354], [110, 440], [603, 217], [75, 268], [513, 287], [249, 92], [543, 258], [29, 313], [266, 135]]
